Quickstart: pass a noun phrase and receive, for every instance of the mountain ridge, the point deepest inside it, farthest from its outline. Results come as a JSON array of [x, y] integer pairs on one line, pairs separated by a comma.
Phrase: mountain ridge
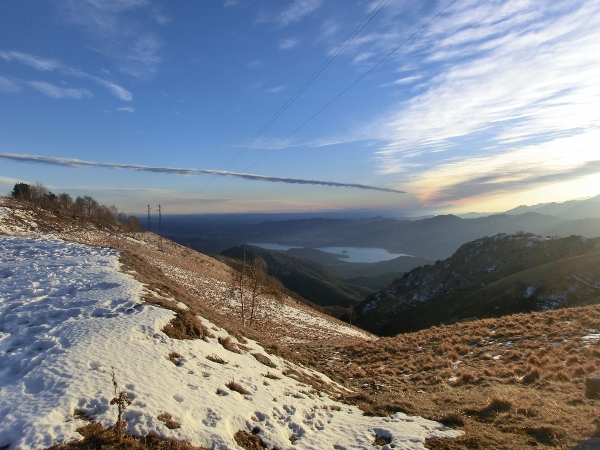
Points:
[[524, 272]]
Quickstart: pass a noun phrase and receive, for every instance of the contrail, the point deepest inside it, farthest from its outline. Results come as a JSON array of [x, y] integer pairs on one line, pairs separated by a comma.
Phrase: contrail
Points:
[[76, 163]]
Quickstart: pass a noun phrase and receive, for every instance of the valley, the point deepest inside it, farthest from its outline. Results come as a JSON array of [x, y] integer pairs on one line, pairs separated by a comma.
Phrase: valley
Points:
[[493, 344]]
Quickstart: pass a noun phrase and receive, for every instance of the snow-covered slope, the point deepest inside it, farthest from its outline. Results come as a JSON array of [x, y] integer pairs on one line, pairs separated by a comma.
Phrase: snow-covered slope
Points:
[[68, 316]]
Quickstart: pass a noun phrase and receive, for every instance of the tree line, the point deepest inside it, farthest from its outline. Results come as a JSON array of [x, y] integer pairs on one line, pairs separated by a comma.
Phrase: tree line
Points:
[[64, 205]]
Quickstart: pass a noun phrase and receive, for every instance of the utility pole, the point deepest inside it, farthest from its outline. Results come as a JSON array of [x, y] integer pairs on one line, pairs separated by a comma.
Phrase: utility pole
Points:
[[160, 243], [148, 229]]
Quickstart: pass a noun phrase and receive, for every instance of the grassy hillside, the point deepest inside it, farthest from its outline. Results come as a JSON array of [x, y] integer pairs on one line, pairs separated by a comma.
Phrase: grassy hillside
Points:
[[489, 277], [312, 281], [509, 383]]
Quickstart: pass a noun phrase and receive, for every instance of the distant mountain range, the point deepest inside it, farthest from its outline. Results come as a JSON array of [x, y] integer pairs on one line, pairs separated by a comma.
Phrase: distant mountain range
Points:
[[570, 210], [430, 238], [491, 276]]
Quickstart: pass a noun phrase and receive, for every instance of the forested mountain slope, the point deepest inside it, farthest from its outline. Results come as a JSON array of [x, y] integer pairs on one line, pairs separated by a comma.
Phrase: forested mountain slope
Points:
[[489, 277]]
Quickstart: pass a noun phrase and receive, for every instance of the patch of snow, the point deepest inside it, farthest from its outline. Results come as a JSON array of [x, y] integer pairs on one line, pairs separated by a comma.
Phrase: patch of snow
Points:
[[551, 301], [530, 291], [68, 316], [590, 338]]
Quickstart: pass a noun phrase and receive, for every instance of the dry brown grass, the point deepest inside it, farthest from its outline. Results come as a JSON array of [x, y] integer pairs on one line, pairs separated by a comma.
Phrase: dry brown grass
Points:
[[265, 360], [229, 344], [272, 376], [249, 441], [517, 385], [233, 386], [168, 420], [96, 437], [175, 358], [216, 358], [185, 325]]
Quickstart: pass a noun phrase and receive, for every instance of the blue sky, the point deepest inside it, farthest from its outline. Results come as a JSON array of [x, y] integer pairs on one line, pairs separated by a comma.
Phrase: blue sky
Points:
[[489, 105]]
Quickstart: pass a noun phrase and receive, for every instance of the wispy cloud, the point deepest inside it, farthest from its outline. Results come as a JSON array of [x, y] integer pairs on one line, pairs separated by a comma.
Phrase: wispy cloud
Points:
[[77, 163], [54, 91], [498, 88], [254, 65], [297, 10], [408, 80], [294, 12], [9, 85], [523, 168], [49, 65], [43, 64], [119, 29], [126, 109], [277, 89], [287, 44]]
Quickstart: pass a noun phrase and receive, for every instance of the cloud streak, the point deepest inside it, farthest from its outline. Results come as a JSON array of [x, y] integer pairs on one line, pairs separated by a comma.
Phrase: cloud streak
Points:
[[49, 65], [297, 10], [77, 163], [57, 92], [520, 169], [495, 88]]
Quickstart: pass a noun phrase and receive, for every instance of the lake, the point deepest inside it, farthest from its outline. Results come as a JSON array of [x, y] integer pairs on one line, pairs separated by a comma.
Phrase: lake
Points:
[[347, 254]]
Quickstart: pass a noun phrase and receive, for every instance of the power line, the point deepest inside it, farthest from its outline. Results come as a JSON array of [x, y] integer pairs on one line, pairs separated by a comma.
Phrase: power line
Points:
[[351, 85], [306, 84]]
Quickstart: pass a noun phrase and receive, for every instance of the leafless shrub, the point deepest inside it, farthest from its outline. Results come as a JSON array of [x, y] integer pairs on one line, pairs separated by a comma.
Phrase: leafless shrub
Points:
[[122, 400], [216, 358]]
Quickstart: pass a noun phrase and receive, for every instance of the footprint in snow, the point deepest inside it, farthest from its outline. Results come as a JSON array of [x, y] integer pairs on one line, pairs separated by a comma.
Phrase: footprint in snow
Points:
[[212, 418]]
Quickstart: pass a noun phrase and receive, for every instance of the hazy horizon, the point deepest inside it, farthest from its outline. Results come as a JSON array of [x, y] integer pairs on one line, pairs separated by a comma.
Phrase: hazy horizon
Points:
[[443, 106]]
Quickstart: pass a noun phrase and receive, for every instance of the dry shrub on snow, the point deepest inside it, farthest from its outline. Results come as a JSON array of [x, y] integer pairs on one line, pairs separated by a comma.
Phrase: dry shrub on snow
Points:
[[216, 358], [249, 441], [185, 325], [230, 345], [233, 386], [168, 420], [263, 359]]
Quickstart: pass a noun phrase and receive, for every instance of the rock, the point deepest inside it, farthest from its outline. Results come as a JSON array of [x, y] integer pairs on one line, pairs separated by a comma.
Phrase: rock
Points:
[[592, 386]]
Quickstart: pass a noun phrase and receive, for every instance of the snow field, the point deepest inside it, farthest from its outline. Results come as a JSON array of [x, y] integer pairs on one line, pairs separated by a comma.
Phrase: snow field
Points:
[[67, 316]]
